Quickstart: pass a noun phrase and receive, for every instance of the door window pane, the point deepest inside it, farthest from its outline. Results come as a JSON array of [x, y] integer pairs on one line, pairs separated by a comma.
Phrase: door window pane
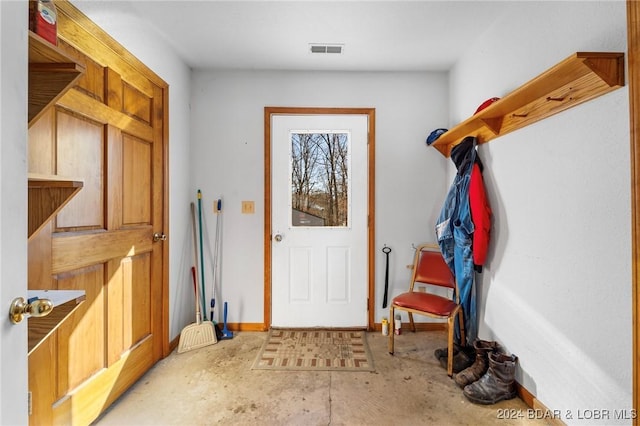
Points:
[[320, 179]]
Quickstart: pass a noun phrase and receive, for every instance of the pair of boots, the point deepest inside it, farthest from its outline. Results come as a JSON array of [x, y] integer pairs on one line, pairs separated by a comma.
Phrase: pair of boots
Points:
[[491, 378]]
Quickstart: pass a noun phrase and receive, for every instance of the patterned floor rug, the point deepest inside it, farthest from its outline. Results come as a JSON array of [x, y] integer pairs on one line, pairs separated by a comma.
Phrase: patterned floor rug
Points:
[[315, 349]]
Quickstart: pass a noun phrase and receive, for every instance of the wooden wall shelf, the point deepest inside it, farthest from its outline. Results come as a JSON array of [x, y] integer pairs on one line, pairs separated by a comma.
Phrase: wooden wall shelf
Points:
[[51, 74], [577, 79], [47, 195], [64, 303]]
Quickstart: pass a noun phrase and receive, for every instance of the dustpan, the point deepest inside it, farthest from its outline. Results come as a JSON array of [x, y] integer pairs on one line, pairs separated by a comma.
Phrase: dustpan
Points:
[[196, 336], [202, 333]]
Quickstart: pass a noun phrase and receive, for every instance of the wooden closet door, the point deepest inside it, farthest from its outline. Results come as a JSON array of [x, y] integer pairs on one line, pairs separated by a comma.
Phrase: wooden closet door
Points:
[[109, 132]]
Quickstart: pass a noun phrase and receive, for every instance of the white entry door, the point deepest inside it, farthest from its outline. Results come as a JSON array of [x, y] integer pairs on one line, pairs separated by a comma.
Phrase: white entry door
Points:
[[319, 218]]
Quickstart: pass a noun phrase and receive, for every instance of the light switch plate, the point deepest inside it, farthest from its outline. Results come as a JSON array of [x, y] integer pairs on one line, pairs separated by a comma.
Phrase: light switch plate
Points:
[[248, 207]]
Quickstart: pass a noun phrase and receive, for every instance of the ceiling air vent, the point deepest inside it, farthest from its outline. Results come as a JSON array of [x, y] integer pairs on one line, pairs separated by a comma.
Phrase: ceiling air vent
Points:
[[326, 48]]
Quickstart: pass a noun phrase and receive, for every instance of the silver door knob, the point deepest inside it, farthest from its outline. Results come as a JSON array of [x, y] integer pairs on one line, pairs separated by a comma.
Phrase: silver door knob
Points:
[[159, 237], [278, 238]]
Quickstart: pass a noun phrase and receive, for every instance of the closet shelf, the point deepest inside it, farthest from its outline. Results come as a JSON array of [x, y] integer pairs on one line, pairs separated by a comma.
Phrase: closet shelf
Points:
[[579, 78], [65, 302], [51, 73], [47, 195]]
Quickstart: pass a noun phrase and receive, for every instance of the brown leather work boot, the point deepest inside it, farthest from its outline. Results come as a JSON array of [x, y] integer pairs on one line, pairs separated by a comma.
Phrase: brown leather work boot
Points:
[[442, 352], [462, 358], [481, 364], [497, 384]]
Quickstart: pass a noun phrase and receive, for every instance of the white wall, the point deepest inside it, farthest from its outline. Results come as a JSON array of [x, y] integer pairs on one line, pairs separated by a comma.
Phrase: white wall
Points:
[[13, 208], [143, 41], [228, 161], [557, 288]]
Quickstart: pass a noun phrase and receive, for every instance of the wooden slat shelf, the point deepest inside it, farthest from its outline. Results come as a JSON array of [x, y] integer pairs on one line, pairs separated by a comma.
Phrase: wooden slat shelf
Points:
[[51, 74], [47, 195], [577, 79], [64, 303]]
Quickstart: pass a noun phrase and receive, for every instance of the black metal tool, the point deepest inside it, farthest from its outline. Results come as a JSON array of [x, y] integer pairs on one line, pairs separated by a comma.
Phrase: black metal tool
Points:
[[386, 250]]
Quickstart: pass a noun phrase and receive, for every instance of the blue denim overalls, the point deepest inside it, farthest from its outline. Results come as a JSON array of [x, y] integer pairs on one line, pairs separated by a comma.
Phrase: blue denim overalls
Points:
[[454, 231]]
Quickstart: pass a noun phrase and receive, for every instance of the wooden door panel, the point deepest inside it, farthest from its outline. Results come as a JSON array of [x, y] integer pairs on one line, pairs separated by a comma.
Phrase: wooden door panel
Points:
[[42, 381], [39, 260], [81, 338], [79, 250], [114, 176], [91, 82], [128, 304], [115, 307], [138, 304], [136, 104], [80, 153], [136, 197], [41, 145]]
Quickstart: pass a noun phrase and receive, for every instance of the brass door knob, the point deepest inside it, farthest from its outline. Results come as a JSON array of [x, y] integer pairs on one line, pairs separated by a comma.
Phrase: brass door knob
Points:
[[157, 236], [35, 308]]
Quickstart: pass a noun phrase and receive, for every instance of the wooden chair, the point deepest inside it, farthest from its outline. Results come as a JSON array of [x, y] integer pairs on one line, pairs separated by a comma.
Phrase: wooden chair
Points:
[[429, 268]]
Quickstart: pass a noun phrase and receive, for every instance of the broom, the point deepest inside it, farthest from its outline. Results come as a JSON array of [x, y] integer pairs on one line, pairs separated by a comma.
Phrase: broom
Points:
[[201, 333]]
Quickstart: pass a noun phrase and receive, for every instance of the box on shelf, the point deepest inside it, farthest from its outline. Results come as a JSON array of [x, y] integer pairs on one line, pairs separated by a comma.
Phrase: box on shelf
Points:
[[43, 20]]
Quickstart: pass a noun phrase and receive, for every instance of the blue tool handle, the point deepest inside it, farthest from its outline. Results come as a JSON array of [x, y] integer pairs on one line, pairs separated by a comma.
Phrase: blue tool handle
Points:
[[224, 328]]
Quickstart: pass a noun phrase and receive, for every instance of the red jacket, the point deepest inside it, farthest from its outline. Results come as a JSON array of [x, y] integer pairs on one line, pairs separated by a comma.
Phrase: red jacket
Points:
[[481, 216]]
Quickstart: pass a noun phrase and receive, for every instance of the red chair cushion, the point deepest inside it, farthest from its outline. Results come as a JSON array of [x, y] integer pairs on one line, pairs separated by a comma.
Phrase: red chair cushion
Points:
[[425, 302]]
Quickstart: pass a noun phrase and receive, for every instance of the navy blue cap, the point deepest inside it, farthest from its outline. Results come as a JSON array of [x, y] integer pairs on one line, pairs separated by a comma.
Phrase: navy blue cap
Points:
[[435, 135]]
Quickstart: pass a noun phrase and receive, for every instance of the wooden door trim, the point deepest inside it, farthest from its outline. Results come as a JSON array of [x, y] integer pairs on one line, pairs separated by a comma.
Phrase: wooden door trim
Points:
[[166, 325], [97, 34], [633, 61], [370, 113]]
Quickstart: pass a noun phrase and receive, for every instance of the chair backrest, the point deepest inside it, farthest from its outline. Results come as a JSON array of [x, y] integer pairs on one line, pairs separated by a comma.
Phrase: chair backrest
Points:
[[430, 268]]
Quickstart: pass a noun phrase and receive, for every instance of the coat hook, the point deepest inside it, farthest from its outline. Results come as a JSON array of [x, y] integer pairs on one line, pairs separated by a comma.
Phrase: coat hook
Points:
[[549, 98]]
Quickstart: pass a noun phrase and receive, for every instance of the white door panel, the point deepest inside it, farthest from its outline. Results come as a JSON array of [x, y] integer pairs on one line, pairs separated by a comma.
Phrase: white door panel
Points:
[[319, 264], [13, 214]]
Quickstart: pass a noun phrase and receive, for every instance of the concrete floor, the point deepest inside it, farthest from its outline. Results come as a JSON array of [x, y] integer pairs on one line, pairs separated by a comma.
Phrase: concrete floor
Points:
[[215, 385]]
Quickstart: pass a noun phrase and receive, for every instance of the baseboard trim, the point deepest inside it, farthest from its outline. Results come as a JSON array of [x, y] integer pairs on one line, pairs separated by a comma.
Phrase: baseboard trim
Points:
[[246, 326], [174, 343], [539, 410]]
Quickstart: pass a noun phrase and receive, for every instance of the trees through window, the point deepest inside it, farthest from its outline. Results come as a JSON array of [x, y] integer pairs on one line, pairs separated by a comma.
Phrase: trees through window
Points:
[[320, 179]]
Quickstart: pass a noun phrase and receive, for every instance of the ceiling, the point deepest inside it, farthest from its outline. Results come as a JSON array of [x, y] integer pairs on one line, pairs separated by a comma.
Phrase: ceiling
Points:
[[388, 35]]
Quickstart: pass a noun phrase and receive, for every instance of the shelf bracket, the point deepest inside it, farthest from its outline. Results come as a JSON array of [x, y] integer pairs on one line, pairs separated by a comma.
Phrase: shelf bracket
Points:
[[493, 124], [611, 71]]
